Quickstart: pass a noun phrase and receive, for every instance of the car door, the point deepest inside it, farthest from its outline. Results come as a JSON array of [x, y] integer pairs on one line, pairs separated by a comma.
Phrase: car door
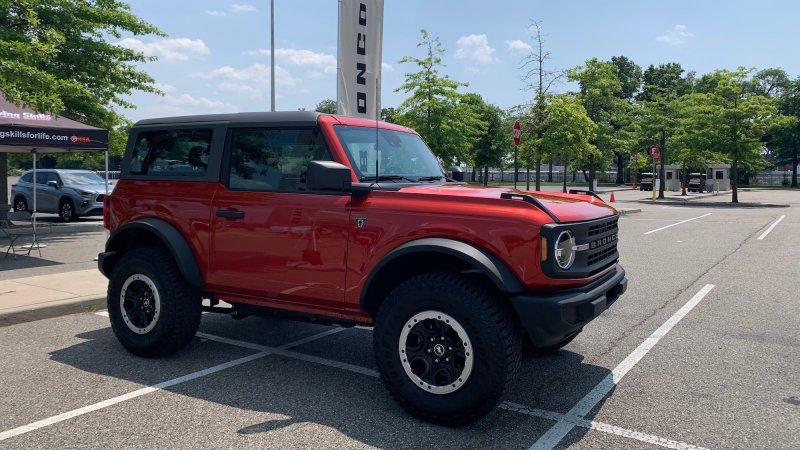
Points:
[[272, 241], [46, 196]]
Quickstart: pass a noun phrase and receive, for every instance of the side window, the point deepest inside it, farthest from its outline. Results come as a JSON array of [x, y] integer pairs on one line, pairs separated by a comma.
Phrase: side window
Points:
[[274, 159], [43, 177], [178, 152], [28, 177], [52, 176]]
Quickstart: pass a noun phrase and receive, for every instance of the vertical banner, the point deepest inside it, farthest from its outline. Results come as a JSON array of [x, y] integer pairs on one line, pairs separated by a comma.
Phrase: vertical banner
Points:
[[360, 49]]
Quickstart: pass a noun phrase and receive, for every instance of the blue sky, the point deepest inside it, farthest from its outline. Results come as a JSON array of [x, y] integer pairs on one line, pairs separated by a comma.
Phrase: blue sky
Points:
[[216, 55]]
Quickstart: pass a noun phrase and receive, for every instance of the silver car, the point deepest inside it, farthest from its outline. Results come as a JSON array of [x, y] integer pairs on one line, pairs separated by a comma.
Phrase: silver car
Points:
[[68, 193]]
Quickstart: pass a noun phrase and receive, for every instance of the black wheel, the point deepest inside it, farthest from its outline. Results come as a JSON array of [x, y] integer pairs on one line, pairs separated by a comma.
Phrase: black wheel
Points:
[[20, 204], [66, 211], [531, 349], [153, 310], [446, 347]]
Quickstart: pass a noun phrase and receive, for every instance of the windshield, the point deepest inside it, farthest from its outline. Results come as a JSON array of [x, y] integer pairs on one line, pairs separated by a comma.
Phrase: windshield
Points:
[[82, 178], [400, 156]]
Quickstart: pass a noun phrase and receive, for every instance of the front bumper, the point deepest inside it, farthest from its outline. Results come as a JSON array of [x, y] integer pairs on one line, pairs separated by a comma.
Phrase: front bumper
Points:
[[551, 318]]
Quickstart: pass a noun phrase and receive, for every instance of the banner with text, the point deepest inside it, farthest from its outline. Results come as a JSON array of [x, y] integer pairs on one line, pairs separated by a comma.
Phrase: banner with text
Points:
[[360, 45]]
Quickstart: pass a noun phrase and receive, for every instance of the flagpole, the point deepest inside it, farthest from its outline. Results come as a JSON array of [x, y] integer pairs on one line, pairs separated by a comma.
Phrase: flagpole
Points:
[[272, 52]]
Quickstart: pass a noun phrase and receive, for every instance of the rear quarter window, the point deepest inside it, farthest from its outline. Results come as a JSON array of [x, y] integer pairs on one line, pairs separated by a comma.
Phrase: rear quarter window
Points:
[[182, 152]]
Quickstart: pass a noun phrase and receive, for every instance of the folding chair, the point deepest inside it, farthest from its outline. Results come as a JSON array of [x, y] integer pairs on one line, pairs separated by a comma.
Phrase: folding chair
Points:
[[16, 225]]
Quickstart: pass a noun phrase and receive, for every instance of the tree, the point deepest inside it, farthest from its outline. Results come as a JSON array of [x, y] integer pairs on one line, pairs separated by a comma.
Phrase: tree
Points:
[[55, 56], [733, 119], [784, 137], [435, 108], [566, 130], [629, 75], [663, 85], [600, 91], [492, 144], [327, 106], [540, 80]]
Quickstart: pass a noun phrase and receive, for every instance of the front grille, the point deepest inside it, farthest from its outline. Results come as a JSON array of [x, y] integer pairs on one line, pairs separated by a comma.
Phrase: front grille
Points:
[[602, 255], [596, 247], [611, 225]]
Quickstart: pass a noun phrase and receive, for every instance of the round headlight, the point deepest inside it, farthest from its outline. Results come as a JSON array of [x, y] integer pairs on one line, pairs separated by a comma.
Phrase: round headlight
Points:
[[565, 250]]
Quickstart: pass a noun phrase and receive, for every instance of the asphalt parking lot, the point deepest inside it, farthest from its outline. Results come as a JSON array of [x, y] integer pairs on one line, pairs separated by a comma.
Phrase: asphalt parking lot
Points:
[[701, 352]]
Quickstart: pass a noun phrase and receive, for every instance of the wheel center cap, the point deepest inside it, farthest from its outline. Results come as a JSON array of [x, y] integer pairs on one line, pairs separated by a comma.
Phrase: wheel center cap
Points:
[[146, 303], [438, 349]]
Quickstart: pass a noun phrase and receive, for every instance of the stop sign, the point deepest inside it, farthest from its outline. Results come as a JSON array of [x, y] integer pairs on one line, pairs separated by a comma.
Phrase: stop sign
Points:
[[517, 132], [655, 152]]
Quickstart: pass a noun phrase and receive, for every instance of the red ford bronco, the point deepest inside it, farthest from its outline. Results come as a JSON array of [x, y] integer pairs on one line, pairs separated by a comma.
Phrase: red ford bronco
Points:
[[345, 221]]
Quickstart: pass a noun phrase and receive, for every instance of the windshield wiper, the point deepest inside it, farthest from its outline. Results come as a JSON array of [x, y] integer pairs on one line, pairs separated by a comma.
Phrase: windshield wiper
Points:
[[431, 178], [386, 178]]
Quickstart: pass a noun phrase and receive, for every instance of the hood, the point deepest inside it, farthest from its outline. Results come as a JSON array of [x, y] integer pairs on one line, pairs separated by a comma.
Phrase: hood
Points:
[[565, 207]]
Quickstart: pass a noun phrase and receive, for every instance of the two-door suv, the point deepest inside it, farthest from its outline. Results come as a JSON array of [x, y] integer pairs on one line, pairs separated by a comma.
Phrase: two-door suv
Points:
[[346, 221]]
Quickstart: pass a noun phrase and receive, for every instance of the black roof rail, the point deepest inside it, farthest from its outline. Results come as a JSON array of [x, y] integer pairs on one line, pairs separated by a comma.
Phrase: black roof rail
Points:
[[532, 200]]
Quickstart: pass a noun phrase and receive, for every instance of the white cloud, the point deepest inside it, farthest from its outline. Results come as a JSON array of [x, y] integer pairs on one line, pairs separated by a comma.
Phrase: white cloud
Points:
[[516, 44], [188, 100], [239, 8], [300, 58], [216, 13], [167, 88], [180, 49], [386, 67], [677, 36], [253, 80], [475, 47]]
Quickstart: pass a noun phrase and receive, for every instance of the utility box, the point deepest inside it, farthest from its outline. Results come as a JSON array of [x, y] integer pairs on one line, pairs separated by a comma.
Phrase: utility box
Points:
[[719, 177], [672, 178]]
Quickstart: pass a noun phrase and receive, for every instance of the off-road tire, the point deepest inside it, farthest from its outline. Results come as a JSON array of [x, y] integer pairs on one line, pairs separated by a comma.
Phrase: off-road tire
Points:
[[66, 210], [180, 303], [493, 334]]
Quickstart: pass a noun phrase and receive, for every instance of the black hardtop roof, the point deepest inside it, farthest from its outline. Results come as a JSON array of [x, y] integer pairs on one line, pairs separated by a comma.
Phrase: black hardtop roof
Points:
[[294, 117]]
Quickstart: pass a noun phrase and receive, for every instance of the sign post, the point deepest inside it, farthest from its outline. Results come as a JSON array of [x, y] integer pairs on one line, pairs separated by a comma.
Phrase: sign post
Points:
[[517, 136], [655, 152]]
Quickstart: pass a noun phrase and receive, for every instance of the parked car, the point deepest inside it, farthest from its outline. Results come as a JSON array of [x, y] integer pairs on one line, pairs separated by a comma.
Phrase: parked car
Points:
[[346, 221], [646, 181], [68, 193], [697, 182]]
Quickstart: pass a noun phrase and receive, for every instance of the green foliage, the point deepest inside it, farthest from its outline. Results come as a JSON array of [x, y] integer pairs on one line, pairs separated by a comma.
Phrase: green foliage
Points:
[[55, 56], [567, 130], [435, 108], [327, 106], [492, 145], [600, 94], [731, 118]]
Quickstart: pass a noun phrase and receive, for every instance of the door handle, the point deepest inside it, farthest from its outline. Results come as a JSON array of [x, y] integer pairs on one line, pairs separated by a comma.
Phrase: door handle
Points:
[[230, 214]]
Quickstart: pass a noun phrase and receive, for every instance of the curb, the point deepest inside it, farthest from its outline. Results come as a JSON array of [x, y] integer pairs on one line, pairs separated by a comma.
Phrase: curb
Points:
[[711, 204], [30, 313], [625, 211]]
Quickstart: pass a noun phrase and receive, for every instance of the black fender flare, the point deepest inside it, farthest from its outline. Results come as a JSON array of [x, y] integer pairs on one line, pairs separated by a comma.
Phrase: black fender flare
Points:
[[491, 266], [172, 239]]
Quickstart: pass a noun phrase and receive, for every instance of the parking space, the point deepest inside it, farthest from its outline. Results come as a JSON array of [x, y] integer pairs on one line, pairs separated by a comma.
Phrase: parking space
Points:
[[650, 372]]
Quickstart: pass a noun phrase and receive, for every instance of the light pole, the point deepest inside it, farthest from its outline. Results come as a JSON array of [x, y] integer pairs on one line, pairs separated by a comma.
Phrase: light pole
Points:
[[272, 53]]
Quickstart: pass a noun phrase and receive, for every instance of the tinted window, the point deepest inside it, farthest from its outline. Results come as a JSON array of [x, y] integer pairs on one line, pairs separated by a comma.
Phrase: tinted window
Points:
[[180, 152], [28, 177], [274, 159]]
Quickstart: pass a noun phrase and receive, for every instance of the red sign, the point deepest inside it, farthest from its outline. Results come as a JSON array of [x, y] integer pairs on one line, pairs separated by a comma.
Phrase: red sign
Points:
[[655, 152], [517, 132]]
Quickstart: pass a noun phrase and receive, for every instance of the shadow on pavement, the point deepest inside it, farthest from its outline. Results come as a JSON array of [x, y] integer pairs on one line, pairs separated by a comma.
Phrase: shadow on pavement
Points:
[[288, 392]]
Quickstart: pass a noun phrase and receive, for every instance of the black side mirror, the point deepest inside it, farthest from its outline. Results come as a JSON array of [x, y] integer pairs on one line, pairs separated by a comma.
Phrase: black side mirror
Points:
[[328, 176]]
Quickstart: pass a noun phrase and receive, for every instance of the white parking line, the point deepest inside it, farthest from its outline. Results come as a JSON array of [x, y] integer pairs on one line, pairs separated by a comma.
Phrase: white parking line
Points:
[[555, 434], [157, 387], [600, 426], [774, 224], [684, 221], [509, 406]]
